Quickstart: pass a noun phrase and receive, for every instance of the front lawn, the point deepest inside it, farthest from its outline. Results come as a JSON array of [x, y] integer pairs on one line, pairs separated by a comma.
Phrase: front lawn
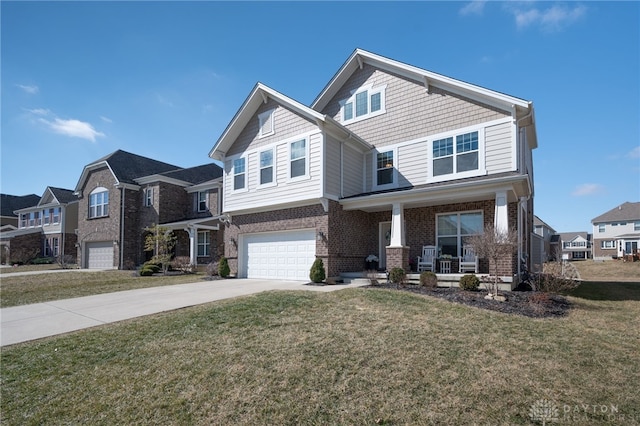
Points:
[[357, 356], [27, 289]]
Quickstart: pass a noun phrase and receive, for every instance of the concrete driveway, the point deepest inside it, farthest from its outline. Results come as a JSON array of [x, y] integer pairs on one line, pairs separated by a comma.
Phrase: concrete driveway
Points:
[[30, 322]]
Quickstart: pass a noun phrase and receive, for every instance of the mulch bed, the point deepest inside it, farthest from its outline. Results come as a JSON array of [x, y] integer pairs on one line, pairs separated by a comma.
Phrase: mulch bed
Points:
[[526, 303]]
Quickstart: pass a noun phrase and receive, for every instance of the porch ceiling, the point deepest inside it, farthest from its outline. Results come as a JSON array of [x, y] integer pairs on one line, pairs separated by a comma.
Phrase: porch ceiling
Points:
[[431, 195]]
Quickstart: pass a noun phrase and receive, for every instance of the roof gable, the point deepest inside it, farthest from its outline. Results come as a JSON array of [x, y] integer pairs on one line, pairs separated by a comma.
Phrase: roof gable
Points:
[[626, 211], [53, 195], [11, 203], [259, 95]]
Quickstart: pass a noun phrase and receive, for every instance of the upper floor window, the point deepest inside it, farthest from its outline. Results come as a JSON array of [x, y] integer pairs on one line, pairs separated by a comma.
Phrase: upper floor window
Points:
[[239, 174], [24, 220], [148, 197], [99, 203], [601, 227], [46, 217], [364, 103], [636, 226], [460, 157], [298, 159], [203, 201], [266, 167], [55, 215], [266, 124], [384, 168]]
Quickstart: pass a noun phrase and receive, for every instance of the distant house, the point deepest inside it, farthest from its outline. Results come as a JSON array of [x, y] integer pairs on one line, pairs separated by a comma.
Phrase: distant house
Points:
[[122, 194], [546, 233], [616, 233], [387, 159], [575, 245], [9, 219]]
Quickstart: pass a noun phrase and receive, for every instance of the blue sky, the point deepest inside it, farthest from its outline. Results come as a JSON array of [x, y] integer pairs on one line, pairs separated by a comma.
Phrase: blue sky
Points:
[[163, 80]]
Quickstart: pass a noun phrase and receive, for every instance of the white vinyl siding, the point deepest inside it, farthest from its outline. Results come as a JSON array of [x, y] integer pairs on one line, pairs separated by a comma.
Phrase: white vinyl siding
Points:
[[499, 148]]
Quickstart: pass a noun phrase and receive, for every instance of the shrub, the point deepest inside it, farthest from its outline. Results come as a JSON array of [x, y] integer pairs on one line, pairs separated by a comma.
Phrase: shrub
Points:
[[223, 267], [551, 283], [152, 266], [397, 276], [212, 269], [428, 279], [469, 282], [316, 274], [146, 271], [42, 261], [183, 264]]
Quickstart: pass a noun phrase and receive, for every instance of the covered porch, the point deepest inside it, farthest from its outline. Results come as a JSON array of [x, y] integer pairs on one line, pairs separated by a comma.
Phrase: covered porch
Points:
[[196, 238]]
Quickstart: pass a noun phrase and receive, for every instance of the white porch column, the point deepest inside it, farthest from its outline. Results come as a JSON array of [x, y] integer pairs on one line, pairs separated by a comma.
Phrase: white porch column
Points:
[[501, 220], [397, 226], [192, 245]]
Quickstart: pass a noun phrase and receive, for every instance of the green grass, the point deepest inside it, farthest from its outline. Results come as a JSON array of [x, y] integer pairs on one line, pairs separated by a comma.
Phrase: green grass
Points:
[[357, 356], [27, 289]]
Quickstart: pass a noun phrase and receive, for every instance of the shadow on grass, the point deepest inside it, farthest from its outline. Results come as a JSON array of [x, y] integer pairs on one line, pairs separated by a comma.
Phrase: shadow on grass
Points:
[[611, 291]]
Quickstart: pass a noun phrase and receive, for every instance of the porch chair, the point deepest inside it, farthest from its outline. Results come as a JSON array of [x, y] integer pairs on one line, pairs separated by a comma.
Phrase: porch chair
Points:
[[426, 262], [469, 260]]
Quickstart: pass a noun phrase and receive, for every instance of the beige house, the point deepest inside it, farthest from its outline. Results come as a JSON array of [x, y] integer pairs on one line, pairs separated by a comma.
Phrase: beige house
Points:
[[387, 159]]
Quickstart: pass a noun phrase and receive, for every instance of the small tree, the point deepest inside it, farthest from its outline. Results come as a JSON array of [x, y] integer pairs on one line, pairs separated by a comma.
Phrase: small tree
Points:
[[317, 274], [223, 267], [494, 244], [161, 242]]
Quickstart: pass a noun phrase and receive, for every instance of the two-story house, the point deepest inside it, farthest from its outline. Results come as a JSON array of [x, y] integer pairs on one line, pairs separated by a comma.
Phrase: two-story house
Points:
[[616, 233], [388, 158], [549, 245], [575, 245], [123, 194], [9, 204]]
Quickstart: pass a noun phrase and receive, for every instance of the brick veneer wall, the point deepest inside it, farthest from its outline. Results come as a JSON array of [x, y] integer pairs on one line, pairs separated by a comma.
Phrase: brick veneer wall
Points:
[[23, 248]]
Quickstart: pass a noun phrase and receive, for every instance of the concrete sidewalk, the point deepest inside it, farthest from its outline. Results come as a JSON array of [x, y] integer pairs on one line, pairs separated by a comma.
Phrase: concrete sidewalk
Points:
[[30, 322]]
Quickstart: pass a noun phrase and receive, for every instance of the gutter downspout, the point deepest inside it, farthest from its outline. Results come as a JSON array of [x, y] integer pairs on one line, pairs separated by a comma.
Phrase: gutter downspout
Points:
[[122, 228], [523, 200]]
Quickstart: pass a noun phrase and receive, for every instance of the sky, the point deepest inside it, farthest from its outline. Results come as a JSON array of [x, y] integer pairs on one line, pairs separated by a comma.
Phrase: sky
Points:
[[80, 80]]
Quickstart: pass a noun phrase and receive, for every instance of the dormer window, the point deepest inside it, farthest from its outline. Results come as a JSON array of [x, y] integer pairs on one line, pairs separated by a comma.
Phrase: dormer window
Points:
[[265, 122], [365, 102]]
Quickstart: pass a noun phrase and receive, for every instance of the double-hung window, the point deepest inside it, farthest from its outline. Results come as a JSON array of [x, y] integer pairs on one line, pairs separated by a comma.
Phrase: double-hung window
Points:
[[266, 123], [203, 201], [56, 215], [203, 243], [46, 217], [363, 103], [384, 168], [148, 197], [239, 174], [601, 227], [458, 157], [453, 229], [99, 203], [298, 159], [266, 167]]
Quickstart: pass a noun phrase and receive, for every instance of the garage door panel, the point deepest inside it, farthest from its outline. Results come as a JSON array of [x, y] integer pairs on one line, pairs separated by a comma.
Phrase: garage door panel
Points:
[[279, 255], [100, 255]]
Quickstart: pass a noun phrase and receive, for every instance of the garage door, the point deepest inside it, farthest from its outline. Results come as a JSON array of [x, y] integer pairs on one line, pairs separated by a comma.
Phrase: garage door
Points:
[[100, 255], [279, 255]]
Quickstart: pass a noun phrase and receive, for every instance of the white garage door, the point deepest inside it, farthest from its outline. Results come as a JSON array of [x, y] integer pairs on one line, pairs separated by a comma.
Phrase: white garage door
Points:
[[100, 255], [279, 255]]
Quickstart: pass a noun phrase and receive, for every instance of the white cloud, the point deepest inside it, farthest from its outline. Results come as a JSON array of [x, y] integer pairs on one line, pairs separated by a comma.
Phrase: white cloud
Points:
[[476, 7], [634, 153], [106, 119], [553, 18], [587, 189], [30, 89], [73, 128], [38, 111], [163, 101]]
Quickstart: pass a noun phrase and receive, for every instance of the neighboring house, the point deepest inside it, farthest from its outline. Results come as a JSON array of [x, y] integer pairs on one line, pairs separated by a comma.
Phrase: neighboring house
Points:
[[123, 194], [9, 219], [616, 233], [549, 244], [388, 158], [575, 245]]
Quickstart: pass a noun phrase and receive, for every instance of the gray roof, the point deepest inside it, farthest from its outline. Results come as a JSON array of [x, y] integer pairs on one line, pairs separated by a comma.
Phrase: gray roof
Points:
[[539, 222], [568, 236], [127, 166], [64, 196], [11, 203], [624, 212], [197, 174]]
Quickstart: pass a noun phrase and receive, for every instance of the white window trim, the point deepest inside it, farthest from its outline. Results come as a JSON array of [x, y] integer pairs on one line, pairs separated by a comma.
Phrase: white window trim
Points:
[[148, 197], [53, 218], [481, 171], [206, 245], [267, 115], [374, 168], [307, 175], [273, 166], [371, 91], [198, 209], [99, 190], [233, 174]]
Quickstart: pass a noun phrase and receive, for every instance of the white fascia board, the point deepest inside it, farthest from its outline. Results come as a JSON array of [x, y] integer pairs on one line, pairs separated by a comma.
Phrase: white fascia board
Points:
[[443, 193], [210, 184], [145, 180]]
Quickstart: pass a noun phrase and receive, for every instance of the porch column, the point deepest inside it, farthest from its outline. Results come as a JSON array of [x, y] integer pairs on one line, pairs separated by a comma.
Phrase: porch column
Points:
[[192, 245], [501, 220], [397, 253]]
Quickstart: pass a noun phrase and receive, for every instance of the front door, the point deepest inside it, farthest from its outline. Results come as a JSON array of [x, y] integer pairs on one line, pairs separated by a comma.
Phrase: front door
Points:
[[384, 239]]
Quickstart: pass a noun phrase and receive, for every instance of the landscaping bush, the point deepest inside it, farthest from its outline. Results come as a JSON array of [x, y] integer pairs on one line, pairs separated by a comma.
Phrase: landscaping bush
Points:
[[469, 282], [212, 269], [146, 271], [42, 261], [152, 266], [317, 274], [223, 267], [397, 276], [428, 279], [183, 264]]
